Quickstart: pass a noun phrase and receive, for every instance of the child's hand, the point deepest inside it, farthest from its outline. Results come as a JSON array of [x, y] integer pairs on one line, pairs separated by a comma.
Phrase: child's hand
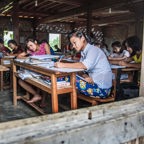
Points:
[[89, 80], [109, 58], [58, 64], [122, 63]]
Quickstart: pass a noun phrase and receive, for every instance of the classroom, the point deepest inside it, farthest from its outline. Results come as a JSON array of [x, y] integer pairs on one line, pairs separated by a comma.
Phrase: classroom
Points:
[[71, 72]]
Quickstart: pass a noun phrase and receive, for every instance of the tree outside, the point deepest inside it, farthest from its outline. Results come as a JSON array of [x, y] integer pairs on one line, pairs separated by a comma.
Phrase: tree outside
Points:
[[55, 39]]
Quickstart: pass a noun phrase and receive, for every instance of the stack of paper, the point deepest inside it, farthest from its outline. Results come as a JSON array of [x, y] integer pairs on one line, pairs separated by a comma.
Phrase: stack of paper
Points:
[[44, 57]]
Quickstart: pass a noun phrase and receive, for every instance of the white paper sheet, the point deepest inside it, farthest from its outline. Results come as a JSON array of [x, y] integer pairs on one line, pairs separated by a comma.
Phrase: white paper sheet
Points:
[[43, 57], [51, 67]]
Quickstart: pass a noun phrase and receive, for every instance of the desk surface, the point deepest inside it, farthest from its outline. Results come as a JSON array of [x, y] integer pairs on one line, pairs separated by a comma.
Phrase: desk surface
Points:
[[47, 67]]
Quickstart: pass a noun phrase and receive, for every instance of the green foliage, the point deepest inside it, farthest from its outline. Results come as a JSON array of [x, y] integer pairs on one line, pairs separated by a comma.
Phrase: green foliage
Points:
[[54, 42]]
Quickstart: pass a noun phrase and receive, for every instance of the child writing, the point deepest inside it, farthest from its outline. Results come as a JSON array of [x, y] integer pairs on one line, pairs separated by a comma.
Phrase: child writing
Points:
[[118, 52], [133, 45], [98, 80], [16, 49], [34, 49]]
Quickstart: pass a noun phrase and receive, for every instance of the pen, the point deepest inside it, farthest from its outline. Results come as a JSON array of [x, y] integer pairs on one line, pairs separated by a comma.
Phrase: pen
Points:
[[61, 57]]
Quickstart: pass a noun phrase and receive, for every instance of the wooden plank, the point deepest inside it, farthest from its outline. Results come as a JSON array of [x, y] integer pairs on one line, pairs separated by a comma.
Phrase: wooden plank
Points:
[[34, 106], [114, 123]]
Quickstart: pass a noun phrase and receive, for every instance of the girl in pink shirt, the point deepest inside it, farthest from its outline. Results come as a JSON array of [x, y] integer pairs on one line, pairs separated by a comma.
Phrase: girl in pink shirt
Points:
[[33, 49]]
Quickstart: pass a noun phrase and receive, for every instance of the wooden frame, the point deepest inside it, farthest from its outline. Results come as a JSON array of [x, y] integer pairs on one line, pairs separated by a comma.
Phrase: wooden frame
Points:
[[53, 89], [9, 68]]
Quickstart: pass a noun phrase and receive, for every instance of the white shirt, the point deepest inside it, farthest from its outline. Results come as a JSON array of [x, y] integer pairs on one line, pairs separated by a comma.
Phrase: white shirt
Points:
[[97, 66]]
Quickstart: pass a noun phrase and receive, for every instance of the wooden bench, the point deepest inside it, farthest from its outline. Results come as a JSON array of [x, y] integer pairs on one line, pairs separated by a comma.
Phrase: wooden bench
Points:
[[94, 100]]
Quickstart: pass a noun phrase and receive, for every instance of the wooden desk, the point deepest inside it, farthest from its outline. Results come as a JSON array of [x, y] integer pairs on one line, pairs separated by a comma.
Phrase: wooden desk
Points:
[[126, 69], [7, 62], [118, 80], [2, 69], [53, 89]]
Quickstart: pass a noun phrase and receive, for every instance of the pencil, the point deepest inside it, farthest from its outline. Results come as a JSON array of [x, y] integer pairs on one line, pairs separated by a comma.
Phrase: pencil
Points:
[[61, 57]]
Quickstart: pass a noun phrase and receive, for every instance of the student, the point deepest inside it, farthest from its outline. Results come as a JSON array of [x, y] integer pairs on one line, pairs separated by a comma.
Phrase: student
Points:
[[98, 80], [33, 49], [5, 50], [51, 49], [133, 45], [16, 49], [118, 52]]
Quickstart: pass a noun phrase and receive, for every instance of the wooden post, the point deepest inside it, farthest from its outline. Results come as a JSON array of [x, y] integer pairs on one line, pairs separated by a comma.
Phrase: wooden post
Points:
[[89, 21], [34, 24], [15, 22], [142, 66]]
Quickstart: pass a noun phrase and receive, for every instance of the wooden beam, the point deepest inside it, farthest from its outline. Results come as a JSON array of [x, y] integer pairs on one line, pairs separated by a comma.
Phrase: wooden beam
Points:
[[15, 21], [114, 19], [6, 7], [68, 2], [32, 13], [23, 1], [95, 5], [43, 4], [28, 4], [89, 21]]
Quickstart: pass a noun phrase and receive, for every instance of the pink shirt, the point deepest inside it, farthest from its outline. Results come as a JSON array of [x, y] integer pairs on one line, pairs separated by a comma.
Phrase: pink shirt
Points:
[[41, 50]]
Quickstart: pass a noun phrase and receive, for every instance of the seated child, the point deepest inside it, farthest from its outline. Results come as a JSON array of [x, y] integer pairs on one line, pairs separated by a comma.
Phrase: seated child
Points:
[[98, 80], [118, 52]]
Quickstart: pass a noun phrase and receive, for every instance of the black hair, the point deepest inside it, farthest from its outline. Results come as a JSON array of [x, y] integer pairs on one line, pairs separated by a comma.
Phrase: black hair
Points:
[[44, 41], [32, 39], [13, 42], [134, 43], [79, 34], [116, 43]]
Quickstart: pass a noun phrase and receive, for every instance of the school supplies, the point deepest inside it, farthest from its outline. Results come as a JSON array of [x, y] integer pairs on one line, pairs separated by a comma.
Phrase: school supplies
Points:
[[61, 57]]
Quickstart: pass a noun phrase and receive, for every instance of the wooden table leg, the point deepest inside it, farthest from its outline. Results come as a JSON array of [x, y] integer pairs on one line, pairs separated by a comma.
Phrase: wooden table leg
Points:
[[74, 93], [14, 86], [54, 94], [1, 80]]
